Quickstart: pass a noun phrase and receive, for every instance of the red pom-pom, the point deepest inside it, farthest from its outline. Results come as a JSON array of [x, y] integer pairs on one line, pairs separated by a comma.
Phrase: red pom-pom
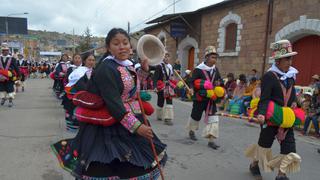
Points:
[[87, 100], [160, 85], [51, 75], [173, 83], [148, 109], [197, 84], [99, 116]]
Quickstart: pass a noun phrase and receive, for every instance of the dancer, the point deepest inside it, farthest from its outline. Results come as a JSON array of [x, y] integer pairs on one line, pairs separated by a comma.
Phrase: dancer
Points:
[[9, 72], [277, 88], [121, 150], [204, 77], [24, 70], [163, 77]]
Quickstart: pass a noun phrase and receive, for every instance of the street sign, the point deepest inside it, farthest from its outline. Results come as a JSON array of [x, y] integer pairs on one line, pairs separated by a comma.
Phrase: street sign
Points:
[[178, 29]]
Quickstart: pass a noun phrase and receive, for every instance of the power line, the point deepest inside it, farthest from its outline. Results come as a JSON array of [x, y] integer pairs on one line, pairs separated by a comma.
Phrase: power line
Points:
[[98, 13], [144, 21]]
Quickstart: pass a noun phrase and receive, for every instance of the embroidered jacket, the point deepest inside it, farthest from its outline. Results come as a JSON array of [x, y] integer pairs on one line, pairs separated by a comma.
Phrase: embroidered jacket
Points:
[[118, 85], [13, 67]]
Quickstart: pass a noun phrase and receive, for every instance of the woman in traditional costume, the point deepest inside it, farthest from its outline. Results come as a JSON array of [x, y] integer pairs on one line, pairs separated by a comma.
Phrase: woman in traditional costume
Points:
[[117, 147], [78, 77], [60, 73]]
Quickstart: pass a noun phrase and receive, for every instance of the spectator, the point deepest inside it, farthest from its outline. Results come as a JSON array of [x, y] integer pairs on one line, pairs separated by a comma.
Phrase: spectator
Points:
[[177, 66], [253, 74], [311, 105], [315, 83], [236, 104], [247, 96], [257, 91], [241, 87], [252, 86], [231, 85]]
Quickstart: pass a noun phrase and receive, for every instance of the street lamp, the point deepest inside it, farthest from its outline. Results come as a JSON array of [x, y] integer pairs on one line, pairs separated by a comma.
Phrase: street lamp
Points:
[[7, 29]]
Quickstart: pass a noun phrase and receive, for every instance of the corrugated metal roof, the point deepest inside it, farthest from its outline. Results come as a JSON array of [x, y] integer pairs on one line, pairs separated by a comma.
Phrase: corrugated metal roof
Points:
[[169, 16]]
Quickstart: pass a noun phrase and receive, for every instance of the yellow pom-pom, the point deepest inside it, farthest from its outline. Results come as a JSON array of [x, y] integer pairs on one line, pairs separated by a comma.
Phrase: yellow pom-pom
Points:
[[288, 117], [210, 93], [9, 74], [219, 91], [180, 84], [254, 103]]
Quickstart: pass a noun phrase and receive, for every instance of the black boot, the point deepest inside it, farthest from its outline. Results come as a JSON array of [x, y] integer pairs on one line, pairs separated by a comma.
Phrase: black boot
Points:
[[213, 145], [282, 177], [10, 102], [192, 136], [3, 100], [255, 171]]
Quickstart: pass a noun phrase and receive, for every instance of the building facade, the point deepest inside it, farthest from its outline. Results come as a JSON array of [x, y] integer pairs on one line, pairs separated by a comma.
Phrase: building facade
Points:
[[242, 31]]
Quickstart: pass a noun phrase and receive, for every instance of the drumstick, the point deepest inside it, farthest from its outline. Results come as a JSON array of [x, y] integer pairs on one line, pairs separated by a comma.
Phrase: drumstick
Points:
[[182, 80], [250, 119], [150, 140]]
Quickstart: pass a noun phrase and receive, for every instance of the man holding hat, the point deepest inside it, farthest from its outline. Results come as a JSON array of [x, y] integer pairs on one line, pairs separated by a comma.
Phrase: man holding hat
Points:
[[24, 70], [165, 90], [277, 86], [207, 73], [9, 71]]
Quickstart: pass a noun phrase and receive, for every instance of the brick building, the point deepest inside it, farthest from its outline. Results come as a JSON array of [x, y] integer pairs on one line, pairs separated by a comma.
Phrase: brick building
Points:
[[242, 31]]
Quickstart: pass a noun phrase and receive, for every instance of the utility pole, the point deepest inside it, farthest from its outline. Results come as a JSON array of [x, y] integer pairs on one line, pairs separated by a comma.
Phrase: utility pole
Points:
[[128, 27], [174, 6], [73, 41]]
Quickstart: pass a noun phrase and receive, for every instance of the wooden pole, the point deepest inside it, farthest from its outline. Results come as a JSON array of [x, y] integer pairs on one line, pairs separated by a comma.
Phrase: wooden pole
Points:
[[188, 88], [151, 142], [250, 119]]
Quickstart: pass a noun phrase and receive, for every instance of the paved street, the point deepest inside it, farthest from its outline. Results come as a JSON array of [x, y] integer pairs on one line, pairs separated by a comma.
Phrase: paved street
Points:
[[37, 120]]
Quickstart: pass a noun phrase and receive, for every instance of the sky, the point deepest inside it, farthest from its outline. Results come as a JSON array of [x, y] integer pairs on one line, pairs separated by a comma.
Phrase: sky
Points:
[[99, 15]]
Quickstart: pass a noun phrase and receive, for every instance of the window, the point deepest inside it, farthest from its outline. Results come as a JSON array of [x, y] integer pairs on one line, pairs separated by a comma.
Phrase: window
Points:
[[231, 37]]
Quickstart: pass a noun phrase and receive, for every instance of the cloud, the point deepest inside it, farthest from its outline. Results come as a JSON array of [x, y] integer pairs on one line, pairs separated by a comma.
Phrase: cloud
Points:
[[99, 15]]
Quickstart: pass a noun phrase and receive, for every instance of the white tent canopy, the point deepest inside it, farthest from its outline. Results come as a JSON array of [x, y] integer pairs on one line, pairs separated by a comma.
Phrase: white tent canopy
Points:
[[48, 53]]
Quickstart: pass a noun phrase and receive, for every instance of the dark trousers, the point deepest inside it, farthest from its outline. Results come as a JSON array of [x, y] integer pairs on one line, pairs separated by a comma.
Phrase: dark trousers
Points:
[[161, 99], [55, 82], [267, 136], [198, 107], [23, 77], [59, 87], [315, 122], [7, 86]]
